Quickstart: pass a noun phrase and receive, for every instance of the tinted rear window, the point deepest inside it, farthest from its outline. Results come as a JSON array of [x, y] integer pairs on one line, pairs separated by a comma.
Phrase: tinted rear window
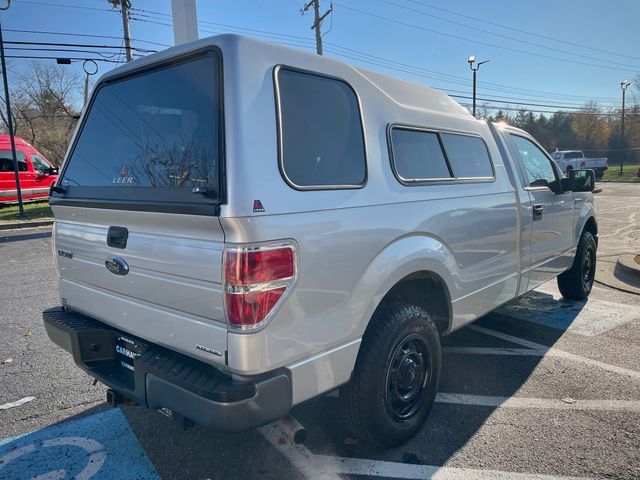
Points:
[[322, 138], [417, 155], [467, 155], [154, 136]]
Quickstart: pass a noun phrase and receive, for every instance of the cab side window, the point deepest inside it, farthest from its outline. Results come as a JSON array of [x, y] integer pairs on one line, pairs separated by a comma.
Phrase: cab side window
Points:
[[537, 167], [39, 164]]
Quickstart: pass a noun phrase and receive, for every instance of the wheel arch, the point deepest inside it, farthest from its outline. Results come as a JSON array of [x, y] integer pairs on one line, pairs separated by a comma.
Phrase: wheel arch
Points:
[[420, 269], [426, 289]]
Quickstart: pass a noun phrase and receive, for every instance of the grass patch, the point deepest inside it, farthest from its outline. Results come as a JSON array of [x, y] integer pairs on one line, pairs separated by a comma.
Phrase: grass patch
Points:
[[32, 211], [613, 173]]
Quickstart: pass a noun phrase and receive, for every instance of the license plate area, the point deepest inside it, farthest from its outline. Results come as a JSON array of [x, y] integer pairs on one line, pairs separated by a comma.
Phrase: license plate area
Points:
[[127, 350]]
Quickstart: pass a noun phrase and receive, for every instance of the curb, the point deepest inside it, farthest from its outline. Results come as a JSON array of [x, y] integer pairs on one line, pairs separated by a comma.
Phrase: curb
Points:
[[35, 223], [628, 264]]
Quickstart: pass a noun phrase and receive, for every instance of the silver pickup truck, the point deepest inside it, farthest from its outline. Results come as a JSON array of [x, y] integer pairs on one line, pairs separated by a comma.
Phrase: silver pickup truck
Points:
[[242, 226]]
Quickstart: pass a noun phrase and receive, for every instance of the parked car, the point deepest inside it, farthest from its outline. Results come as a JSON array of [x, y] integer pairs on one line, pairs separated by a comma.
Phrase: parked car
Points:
[[36, 173], [234, 238], [572, 159]]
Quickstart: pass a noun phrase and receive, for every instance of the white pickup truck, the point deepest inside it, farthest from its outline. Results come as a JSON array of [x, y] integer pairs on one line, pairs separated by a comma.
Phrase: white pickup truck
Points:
[[569, 160]]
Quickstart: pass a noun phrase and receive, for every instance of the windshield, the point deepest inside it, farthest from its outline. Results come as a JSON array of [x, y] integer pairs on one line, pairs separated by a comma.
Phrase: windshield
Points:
[[154, 136]]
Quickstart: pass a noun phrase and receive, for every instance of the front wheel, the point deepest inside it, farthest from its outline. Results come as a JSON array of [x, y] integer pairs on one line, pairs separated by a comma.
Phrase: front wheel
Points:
[[396, 376], [576, 283]]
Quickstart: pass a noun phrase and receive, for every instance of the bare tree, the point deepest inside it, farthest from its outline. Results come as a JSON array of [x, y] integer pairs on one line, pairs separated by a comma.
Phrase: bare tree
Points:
[[43, 106]]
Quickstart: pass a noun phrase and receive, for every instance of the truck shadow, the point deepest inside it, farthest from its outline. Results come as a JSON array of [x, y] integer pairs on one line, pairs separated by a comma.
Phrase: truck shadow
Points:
[[474, 364]]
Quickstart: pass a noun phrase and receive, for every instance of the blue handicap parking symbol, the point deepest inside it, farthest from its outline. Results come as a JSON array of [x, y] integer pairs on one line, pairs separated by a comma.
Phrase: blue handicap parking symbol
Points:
[[100, 446]]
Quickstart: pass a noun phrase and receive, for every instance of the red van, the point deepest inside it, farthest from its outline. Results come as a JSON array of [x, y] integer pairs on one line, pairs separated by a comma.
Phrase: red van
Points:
[[37, 175]]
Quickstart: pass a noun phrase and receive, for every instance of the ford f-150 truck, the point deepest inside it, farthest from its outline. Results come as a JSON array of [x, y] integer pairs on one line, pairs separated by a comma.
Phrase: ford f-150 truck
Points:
[[242, 226], [568, 160]]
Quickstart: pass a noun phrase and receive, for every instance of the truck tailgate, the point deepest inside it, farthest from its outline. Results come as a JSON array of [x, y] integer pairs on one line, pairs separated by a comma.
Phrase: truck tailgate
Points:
[[172, 293]]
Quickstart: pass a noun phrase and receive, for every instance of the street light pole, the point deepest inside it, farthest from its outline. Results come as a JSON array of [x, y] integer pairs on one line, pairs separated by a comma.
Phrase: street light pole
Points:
[[16, 168], [471, 60], [90, 67], [623, 85]]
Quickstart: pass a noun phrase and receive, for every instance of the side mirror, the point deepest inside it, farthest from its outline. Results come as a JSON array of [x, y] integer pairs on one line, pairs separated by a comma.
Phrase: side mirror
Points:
[[53, 171], [582, 180]]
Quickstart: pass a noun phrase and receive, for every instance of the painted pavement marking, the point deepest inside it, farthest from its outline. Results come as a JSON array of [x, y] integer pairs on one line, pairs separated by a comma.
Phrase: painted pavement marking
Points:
[[100, 447], [525, 352], [551, 351], [545, 306], [632, 406], [327, 467]]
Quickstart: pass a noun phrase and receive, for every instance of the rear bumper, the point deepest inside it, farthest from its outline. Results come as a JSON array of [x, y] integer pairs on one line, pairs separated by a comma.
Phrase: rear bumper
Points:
[[166, 379]]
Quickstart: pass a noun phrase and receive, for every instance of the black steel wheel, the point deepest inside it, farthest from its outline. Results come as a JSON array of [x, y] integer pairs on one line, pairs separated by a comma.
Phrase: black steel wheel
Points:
[[395, 380], [407, 377], [577, 282]]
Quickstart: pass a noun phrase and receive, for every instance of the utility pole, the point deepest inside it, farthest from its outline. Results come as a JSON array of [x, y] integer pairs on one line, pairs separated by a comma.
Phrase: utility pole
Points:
[[16, 168], [125, 5], [318, 19], [623, 86]]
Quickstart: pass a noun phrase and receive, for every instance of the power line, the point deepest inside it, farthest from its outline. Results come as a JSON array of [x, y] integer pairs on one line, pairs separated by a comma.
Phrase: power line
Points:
[[83, 35], [526, 42], [565, 112], [458, 37], [27, 57], [81, 45], [67, 50], [49, 4], [338, 50], [418, 71], [409, 69], [495, 24], [428, 73]]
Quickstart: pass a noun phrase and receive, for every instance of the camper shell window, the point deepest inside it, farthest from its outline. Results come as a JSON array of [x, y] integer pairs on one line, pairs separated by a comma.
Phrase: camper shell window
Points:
[[153, 139]]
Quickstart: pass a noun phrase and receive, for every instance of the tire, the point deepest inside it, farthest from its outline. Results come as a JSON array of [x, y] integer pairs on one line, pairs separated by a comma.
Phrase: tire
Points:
[[576, 283], [568, 171], [401, 339]]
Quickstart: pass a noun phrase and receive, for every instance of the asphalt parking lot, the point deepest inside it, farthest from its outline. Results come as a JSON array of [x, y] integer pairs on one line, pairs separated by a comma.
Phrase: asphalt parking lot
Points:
[[541, 389]]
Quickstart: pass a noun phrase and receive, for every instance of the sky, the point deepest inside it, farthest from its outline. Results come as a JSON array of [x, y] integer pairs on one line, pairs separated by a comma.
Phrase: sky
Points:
[[544, 53]]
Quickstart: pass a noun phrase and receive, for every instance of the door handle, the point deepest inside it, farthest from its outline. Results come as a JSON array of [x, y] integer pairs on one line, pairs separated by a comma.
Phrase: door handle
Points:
[[537, 212]]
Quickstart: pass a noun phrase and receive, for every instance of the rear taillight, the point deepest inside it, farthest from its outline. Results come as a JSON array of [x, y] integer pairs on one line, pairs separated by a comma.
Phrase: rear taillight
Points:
[[256, 278]]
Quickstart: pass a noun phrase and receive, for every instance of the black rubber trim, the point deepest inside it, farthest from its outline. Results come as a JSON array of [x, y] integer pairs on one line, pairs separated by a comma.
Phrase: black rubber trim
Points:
[[165, 378], [139, 206]]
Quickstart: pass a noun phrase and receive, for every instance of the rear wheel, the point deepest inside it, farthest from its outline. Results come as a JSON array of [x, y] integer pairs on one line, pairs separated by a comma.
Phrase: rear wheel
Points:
[[576, 283], [396, 376]]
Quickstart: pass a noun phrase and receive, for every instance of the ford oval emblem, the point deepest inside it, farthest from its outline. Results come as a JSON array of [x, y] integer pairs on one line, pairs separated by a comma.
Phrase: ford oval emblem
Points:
[[117, 265]]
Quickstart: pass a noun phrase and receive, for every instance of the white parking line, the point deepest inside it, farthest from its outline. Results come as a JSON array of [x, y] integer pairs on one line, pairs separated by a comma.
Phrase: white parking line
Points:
[[539, 403], [299, 455], [558, 353], [493, 351], [379, 468], [326, 467], [545, 306]]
